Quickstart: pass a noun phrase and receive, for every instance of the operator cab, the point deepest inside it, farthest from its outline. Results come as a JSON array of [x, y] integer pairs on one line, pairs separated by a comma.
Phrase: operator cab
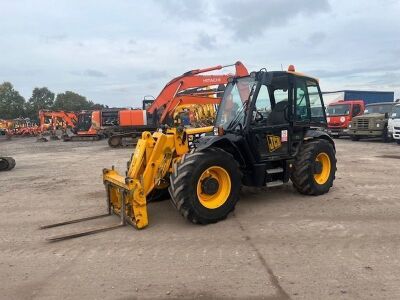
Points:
[[273, 110]]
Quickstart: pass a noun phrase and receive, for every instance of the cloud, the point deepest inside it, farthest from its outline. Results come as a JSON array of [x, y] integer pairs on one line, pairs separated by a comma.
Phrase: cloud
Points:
[[55, 38], [353, 72], [316, 37], [151, 74], [93, 73], [184, 9], [206, 41], [249, 19]]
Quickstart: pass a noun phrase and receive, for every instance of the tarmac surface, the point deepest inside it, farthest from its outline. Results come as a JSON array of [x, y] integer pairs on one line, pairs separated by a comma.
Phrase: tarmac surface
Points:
[[276, 245]]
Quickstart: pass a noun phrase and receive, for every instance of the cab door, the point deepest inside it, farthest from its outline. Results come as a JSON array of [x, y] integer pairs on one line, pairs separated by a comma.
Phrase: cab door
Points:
[[269, 134]]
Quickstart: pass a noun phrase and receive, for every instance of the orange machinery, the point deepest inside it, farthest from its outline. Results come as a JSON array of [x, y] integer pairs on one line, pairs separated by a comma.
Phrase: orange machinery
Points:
[[6, 127], [93, 125], [52, 120], [188, 89]]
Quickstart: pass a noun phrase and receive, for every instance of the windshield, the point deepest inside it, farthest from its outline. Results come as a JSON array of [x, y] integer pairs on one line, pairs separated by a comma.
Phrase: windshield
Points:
[[232, 109], [378, 109], [396, 112], [338, 110]]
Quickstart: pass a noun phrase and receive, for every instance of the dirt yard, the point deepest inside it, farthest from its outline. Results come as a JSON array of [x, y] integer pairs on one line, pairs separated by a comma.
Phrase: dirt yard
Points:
[[277, 245]]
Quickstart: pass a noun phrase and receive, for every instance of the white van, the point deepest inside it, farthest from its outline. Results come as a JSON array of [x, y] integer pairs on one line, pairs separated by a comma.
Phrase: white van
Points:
[[394, 124]]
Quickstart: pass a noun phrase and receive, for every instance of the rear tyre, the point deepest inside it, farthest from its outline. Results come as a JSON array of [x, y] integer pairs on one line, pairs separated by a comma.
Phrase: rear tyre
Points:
[[314, 168], [115, 141], [354, 138], [385, 137], [7, 163], [3, 164], [205, 185]]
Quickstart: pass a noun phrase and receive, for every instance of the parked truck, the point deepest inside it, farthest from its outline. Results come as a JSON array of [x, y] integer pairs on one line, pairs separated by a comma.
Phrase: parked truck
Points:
[[368, 97], [339, 115], [394, 123], [373, 123]]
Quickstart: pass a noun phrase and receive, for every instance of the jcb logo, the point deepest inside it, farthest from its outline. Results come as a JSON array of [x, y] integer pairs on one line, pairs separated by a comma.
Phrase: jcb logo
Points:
[[274, 142]]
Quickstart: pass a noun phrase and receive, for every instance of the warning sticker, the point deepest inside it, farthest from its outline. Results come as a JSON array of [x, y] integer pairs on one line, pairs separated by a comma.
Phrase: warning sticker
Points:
[[284, 136]]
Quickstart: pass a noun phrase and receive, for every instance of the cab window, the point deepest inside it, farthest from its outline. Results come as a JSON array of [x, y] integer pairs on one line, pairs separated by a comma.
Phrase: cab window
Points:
[[263, 104], [316, 104], [302, 113], [356, 110]]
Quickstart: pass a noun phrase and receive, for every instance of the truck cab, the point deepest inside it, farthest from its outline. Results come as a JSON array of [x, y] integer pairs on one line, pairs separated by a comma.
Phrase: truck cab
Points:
[[373, 123], [394, 124], [339, 115]]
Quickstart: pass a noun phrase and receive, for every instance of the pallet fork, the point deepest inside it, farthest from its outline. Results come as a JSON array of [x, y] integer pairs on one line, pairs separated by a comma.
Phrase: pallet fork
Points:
[[68, 236], [127, 196]]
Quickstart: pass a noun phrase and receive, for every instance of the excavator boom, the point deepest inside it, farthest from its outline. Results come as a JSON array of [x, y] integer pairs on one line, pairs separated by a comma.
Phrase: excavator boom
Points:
[[169, 96]]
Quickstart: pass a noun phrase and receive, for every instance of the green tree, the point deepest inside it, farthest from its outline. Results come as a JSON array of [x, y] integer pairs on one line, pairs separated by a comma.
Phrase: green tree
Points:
[[42, 98], [11, 102], [97, 106], [70, 101]]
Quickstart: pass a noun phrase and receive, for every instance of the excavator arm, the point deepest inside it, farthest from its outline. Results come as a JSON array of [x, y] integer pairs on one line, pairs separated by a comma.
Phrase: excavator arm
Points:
[[169, 97]]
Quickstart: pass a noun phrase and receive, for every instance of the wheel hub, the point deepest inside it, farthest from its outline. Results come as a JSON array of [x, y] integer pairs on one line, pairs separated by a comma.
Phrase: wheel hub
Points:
[[317, 167], [209, 186]]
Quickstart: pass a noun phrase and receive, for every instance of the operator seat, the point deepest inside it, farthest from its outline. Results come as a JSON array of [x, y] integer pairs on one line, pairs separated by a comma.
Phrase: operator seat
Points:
[[277, 115]]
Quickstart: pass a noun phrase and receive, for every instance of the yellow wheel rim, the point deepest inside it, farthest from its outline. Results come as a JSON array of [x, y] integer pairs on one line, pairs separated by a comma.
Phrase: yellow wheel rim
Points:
[[219, 197], [322, 178]]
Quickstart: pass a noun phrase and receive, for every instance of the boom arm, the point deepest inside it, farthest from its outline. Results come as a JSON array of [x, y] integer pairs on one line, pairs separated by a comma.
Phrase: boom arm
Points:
[[149, 164]]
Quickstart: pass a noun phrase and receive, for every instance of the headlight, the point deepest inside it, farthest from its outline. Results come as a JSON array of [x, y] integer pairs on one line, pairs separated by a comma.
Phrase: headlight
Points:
[[378, 125], [215, 130], [328, 119], [349, 125], [342, 119]]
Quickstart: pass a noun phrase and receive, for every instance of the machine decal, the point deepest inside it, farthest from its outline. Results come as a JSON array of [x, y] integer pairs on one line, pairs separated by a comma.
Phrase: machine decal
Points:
[[274, 142], [284, 136]]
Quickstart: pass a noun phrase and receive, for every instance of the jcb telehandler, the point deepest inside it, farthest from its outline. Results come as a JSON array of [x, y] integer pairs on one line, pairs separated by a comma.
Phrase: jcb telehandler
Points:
[[267, 132]]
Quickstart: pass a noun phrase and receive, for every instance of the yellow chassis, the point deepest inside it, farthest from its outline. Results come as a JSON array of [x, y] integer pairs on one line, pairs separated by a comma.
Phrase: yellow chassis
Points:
[[150, 163]]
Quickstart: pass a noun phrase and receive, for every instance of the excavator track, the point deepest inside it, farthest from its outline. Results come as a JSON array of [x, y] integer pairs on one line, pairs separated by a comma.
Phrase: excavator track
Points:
[[81, 138], [7, 163]]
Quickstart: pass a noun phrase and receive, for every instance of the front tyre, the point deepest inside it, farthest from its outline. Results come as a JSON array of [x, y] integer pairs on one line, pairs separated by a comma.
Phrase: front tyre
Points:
[[205, 185], [314, 168]]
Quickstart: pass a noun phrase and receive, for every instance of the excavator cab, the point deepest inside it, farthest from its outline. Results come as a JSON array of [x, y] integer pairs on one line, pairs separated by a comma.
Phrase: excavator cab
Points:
[[146, 103]]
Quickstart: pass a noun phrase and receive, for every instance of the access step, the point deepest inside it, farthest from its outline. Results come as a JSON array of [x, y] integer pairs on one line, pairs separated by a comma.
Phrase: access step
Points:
[[275, 171], [274, 183]]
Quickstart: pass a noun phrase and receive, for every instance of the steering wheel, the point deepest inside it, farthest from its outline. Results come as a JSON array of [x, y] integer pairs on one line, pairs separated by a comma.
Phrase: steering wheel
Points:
[[259, 117]]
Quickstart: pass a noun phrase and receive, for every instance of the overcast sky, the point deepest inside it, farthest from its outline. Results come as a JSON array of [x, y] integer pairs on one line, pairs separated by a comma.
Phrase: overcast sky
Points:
[[115, 52]]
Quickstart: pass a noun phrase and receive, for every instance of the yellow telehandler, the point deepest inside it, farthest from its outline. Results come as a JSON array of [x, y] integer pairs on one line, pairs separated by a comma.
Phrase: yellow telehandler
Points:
[[268, 131]]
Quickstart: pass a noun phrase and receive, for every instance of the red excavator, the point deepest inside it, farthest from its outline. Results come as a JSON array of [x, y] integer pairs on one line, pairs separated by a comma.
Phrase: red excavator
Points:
[[190, 93]]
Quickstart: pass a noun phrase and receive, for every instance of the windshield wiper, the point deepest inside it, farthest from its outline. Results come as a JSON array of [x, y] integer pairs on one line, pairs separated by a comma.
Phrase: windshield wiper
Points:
[[234, 123]]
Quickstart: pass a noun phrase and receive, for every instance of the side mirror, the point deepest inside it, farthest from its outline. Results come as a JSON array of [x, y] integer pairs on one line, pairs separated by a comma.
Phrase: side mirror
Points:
[[386, 115]]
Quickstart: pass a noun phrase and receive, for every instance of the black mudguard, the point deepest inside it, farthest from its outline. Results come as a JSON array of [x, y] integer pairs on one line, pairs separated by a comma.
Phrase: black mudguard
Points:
[[227, 142], [318, 134]]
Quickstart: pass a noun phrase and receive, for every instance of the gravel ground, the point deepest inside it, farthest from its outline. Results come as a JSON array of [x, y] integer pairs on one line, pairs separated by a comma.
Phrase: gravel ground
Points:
[[277, 245]]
